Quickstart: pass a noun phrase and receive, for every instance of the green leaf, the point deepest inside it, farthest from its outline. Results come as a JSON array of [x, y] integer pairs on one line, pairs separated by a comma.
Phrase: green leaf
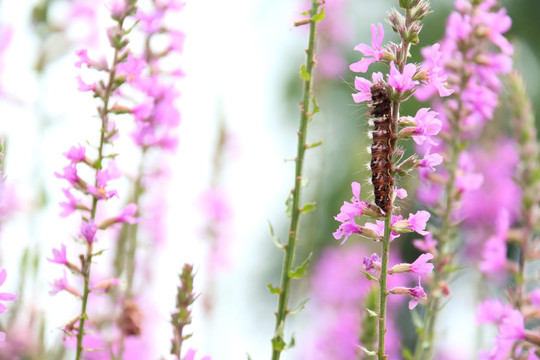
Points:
[[315, 144], [289, 204], [303, 73], [318, 17], [403, 4], [305, 13], [315, 105], [274, 290], [277, 341], [99, 252], [372, 313], [248, 356], [300, 307], [309, 207], [368, 353], [369, 276], [275, 239], [291, 343], [301, 270]]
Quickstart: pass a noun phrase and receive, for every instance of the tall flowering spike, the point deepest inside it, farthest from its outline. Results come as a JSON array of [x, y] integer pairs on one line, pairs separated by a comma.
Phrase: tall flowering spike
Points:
[[96, 190], [182, 315], [466, 68], [385, 98]]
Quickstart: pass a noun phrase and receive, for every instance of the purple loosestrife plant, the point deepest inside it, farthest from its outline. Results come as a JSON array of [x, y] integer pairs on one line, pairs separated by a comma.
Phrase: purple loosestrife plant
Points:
[[308, 107], [156, 119], [96, 192], [473, 55], [385, 96], [515, 321]]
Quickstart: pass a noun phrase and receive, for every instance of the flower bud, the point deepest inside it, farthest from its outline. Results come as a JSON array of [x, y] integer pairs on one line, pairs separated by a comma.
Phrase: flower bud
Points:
[[371, 234]]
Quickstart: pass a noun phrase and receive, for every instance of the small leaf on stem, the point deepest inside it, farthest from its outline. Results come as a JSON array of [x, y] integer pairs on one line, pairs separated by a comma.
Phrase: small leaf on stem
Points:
[[301, 270]]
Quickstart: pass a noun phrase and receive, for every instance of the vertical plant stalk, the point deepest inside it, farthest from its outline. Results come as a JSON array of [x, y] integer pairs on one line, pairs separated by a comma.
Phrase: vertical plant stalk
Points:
[[383, 293], [296, 192], [87, 263], [526, 134]]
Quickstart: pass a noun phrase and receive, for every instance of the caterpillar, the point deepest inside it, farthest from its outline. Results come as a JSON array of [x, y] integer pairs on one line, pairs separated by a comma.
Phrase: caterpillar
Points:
[[381, 148]]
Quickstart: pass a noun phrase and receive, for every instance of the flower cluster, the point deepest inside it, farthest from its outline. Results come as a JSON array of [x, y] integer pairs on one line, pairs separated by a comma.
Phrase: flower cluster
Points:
[[98, 190], [510, 324], [4, 297], [402, 81]]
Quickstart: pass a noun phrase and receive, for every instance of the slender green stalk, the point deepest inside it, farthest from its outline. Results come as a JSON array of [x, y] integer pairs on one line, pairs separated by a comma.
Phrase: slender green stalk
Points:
[[301, 148], [104, 115], [383, 293]]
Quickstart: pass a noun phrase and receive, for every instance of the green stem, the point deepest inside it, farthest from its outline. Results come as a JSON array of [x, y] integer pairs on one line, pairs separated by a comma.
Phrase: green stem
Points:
[[425, 341], [104, 115], [301, 147], [383, 293]]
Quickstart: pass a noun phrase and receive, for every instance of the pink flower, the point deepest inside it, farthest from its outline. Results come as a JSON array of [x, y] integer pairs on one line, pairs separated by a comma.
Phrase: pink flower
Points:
[[402, 82], [83, 58], [346, 229], [374, 53], [70, 174], [177, 40], [427, 125], [150, 22], [372, 262], [5, 296], [421, 266], [88, 230], [364, 87], [71, 205], [131, 68], [117, 8], [84, 86], [494, 251], [76, 154], [190, 355], [103, 177], [400, 193], [417, 293], [491, 311], [354, 208], [378, 227], [59, 256], [128, 214], [430, 161], [63, 284], [417, 222], [435, 69], [535, 297], [427, 244]]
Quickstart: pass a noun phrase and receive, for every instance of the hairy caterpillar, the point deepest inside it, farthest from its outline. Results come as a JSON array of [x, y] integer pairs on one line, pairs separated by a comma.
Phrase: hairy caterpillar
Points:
[[381, 149]]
